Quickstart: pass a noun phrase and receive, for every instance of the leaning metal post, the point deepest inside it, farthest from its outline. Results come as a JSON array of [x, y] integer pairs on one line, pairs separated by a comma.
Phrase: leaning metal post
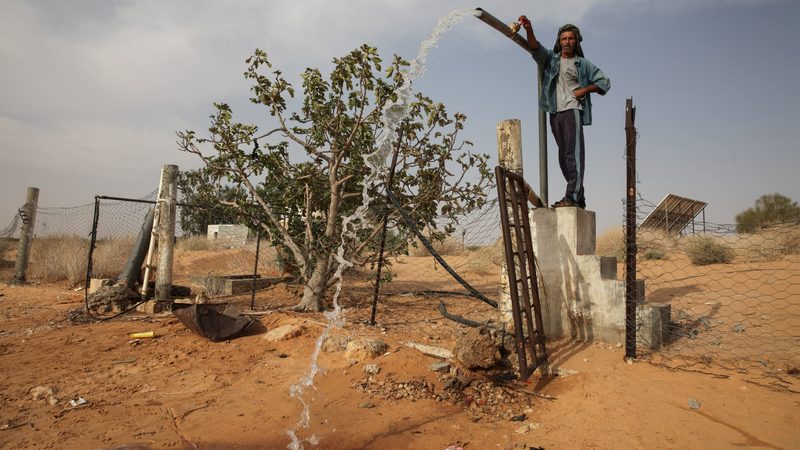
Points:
[[92, 245], [630, 231], [255, 270], [385, 221]]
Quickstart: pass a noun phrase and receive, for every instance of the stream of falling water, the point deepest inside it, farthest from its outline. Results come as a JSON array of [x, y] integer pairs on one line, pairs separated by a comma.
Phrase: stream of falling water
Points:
[[393, 114]]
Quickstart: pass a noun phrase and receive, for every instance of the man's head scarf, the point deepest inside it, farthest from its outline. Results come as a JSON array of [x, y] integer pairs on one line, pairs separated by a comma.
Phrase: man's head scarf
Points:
[[578, 39]]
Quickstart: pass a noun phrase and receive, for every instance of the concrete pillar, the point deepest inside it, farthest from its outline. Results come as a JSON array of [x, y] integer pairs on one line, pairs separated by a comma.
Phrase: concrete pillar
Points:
[[28, 213], [167, 204], [509, 154]]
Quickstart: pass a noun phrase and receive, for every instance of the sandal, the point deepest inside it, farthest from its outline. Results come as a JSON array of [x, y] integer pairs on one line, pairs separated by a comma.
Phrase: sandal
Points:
[[566, 201]]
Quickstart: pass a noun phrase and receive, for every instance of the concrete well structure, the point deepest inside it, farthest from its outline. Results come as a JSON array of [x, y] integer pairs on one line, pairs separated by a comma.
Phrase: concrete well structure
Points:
[[580, 294]]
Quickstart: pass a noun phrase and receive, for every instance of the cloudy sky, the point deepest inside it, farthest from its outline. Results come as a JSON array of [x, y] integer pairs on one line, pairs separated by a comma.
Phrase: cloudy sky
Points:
[[92, 92]]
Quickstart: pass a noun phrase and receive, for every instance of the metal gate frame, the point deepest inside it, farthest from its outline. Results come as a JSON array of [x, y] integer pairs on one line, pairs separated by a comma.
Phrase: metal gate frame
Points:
[[513, 195]]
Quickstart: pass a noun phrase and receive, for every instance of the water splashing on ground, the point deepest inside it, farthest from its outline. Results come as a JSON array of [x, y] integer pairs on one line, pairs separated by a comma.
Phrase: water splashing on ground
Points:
[[393, 114]]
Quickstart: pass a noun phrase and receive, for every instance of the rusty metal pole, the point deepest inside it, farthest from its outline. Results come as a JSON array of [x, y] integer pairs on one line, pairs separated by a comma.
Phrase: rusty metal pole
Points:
[[28, 215], [166, 232], [630, 231], [543, 181], [509, 155]]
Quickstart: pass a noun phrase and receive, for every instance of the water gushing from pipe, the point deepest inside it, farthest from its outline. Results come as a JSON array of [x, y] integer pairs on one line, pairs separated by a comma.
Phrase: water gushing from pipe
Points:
[[393, 113]]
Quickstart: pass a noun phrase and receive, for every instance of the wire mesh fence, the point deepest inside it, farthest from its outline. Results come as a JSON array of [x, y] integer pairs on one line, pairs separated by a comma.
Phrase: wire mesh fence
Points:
[[473, 250], [733, 298]]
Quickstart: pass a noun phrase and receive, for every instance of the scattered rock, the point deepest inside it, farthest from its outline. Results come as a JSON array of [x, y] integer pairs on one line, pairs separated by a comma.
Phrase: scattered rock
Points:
[[477, 349], [738, 328], [367, 405], [372, 369], [562, 372], [528, 427], [335, 343], [441, 367], [95, 284], [694, 404], [78, 316], [365, 349], [40, 393], [112, 299], [619, 345], [284, 332], [430, 350]]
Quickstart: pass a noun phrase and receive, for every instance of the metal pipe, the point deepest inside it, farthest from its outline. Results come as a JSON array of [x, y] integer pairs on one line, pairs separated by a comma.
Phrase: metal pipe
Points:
[[495, 23], [148, 260]]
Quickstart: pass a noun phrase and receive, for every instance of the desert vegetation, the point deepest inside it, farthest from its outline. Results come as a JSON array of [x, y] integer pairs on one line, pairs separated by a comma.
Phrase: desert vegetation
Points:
[[64, 258], [767, 244], [769, 210]]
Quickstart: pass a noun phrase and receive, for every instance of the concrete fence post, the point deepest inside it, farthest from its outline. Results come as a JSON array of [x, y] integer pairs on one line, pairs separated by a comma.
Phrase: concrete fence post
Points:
[[167, 205], [28, 213], [509, 154]]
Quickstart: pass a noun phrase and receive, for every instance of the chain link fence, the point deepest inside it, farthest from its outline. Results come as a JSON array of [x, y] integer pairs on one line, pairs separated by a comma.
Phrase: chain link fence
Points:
[[733, 298]]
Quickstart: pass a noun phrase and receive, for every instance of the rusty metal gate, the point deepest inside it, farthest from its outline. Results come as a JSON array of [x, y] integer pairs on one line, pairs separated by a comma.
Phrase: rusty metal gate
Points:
[[513, 194]]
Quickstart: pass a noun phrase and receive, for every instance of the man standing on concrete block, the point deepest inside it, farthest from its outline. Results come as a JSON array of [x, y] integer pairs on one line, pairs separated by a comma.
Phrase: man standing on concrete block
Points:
[[568, 80]]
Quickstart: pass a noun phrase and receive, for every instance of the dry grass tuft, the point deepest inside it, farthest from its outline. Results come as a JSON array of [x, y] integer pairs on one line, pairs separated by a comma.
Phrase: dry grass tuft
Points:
[[611, 243], [768, 245], [651, 244], [449, 246], [195, 244], [59, 258], [703, 250], [6, 246], [485, 260], [110, 256]]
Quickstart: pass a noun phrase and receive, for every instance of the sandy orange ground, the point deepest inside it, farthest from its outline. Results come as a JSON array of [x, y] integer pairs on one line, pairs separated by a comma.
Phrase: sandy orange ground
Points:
[[180, 391]]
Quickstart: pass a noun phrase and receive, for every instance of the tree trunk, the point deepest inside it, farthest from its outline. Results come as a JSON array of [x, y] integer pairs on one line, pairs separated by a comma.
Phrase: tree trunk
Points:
[[313, 294]]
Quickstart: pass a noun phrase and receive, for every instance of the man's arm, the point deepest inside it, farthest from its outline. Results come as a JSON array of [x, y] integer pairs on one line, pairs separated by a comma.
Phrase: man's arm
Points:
[[540, 54], [598, 82], [581, 92], [533, 44]]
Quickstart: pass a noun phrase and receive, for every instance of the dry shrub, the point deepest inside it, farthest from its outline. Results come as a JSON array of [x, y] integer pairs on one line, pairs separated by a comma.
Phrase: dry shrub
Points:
[[196, 243], [110, 255], [449, 246], [654, 244], [6, 245], [768, 245], [611, 243], [704, 250], [651, 244], [485, 260], [57, 258]]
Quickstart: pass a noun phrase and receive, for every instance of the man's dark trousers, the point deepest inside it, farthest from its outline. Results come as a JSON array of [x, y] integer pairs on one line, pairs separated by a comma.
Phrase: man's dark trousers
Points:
[[568, 132]]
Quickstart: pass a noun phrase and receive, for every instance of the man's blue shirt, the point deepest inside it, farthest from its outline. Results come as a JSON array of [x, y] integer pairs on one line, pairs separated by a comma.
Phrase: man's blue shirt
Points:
[[588, 74]]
